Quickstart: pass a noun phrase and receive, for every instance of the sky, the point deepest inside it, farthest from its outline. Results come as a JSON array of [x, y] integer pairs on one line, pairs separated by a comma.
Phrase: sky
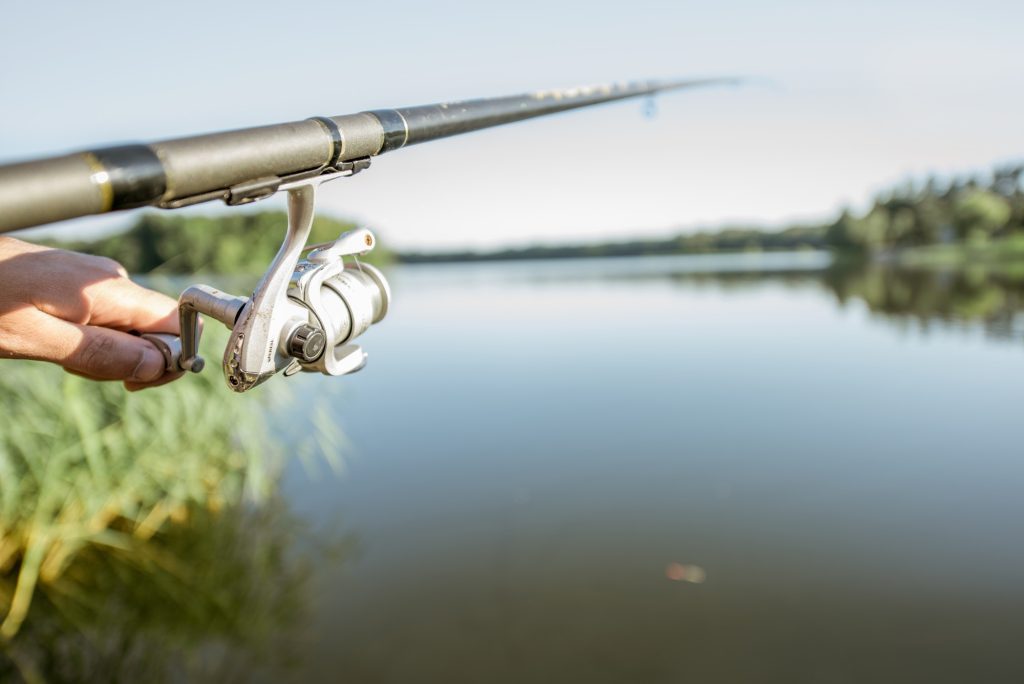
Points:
[[843, 100]]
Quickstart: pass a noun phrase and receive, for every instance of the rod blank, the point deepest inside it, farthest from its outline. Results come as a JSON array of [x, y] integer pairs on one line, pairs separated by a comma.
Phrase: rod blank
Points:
[[201, 168]]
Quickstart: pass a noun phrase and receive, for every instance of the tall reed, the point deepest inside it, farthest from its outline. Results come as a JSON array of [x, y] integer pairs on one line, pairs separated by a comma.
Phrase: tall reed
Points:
[[86, 465]]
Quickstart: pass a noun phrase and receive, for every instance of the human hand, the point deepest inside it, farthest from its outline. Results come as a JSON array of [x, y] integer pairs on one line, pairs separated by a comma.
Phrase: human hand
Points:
[[76, 310]]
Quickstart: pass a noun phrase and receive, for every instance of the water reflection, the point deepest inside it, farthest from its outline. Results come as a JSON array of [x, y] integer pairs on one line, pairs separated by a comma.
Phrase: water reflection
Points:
[[991, 297], [539, 502], [952, 296]]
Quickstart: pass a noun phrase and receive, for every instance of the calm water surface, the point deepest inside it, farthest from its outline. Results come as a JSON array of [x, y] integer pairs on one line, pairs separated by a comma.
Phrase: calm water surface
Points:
[[671, 469]]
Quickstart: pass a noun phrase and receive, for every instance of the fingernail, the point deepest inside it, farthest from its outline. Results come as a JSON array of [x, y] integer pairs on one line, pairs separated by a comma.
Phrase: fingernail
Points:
[[151, 366]]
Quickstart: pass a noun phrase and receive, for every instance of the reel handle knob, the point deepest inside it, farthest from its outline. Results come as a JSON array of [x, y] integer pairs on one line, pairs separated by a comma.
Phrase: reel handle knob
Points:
[[307, 343]]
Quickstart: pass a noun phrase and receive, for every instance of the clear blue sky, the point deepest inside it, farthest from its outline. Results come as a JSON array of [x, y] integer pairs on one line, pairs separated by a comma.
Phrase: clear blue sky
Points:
[[861, 95]]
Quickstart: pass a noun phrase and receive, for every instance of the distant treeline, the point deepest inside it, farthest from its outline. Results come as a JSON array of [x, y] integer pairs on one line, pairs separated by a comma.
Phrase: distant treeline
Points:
[[704, 242], [967, 210], [972, 211]]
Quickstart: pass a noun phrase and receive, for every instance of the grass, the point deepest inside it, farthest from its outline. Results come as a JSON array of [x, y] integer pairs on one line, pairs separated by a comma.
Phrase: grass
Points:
[[86, 466]]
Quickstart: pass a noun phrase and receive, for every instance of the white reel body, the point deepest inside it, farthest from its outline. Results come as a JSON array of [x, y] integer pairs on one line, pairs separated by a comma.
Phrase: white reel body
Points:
[[303, 314]]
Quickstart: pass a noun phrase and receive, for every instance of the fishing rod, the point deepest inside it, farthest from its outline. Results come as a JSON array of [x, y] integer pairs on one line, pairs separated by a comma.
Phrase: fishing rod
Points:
[[304, 313]]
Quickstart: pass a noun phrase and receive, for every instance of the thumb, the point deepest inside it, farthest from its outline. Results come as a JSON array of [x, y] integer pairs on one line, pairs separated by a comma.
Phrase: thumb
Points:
[[98, 353]]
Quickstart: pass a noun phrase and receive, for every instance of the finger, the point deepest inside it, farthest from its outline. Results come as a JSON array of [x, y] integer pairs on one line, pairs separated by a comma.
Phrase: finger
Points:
[[132, 386], [82, 375], [98, 353], [128, 384], [122, 304]]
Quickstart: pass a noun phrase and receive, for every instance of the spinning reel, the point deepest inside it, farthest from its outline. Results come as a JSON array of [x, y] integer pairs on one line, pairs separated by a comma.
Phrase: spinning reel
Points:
[[303, 314]]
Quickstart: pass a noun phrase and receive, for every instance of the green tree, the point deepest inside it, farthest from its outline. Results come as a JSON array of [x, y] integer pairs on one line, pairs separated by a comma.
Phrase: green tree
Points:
[[980, 213], [844, 233]]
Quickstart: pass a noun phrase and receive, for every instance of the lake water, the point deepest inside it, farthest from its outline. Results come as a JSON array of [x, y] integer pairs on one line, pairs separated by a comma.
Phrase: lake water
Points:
[[669, 469], [743, 468]]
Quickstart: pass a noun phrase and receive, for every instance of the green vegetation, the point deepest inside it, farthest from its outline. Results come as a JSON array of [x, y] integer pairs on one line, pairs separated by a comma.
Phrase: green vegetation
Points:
[[238, 243], [87, 464], [970, 212], [137, 531]]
